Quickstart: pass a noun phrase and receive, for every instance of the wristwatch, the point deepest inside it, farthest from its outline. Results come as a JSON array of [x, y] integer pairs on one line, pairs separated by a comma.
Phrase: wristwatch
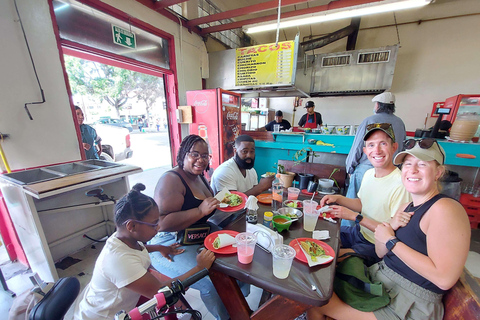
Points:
[[358, 218], [391, 243]]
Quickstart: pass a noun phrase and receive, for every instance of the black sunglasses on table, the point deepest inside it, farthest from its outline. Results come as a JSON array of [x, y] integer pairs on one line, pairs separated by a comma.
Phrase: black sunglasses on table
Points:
[[425, 143]]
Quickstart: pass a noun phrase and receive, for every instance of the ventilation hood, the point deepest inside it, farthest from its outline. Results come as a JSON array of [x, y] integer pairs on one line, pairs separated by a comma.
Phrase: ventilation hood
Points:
[[356, 72]]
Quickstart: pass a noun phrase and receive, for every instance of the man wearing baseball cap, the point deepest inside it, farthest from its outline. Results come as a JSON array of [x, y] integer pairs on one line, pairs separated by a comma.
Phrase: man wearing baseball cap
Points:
[[284, 124], [380, 195], [311, 119], [357, 162]]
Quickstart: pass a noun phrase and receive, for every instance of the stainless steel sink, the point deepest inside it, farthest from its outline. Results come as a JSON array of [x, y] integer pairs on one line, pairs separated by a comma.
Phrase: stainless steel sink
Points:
[[99, 163], [70, 168], [32, 176], [57, 171]]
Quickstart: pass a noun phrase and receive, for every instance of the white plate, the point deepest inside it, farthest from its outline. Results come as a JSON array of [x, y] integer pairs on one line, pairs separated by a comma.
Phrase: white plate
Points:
[[265, 175], [326, 193]]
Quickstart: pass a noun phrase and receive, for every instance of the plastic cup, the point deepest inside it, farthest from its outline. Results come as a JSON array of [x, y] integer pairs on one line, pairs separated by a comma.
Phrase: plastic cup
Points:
[[245, 246], [310, 220], [310, 215], [282, 260], [309, 206], [293, 193], [276, 128]]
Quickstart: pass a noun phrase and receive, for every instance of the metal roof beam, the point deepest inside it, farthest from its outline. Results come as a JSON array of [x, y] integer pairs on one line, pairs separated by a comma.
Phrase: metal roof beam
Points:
[[243, 11], [338, 4]]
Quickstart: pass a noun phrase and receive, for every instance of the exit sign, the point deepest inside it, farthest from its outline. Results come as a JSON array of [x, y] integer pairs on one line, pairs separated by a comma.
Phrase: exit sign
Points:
[[123, 37]]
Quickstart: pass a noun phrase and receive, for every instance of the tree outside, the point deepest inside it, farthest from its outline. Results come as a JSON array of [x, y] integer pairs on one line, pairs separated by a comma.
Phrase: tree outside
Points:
[[103, 88]]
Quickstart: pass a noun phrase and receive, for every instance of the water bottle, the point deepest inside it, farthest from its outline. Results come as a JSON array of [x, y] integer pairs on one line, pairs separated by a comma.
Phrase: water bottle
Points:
[[277, 194]]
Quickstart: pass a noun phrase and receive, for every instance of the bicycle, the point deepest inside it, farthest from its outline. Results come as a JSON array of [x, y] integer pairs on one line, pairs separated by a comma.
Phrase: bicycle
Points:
[[164, 301]]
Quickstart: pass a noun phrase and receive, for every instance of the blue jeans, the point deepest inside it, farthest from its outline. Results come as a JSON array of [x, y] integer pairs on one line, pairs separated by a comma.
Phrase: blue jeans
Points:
[[351, 237], [354, 186], [184, 262]]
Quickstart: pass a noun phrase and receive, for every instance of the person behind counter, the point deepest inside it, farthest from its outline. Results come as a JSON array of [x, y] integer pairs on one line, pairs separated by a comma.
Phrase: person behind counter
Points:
[[311, 119], [284, 124], [186, 201], [414, 270], [379, 197], [89, 137], [357, 161], [122, 271], [237, 173]]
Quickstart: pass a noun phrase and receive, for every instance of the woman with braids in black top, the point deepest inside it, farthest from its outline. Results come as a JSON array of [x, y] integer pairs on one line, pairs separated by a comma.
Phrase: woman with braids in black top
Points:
[[185, 199], [121, 273]]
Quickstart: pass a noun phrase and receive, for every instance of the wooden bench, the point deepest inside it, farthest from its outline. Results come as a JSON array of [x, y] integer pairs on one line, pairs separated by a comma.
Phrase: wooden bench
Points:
[[462, 302], [319, 170]]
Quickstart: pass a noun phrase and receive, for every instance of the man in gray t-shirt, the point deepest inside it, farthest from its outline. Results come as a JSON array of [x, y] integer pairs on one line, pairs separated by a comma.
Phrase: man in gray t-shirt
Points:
[[357, 162]]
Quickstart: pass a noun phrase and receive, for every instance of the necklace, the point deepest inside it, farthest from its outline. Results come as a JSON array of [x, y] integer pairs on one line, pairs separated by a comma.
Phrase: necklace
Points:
[[410, 206]]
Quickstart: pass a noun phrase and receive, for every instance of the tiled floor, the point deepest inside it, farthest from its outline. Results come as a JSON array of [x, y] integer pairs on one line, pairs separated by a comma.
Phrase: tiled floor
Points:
[[18, 280], [83, 270]]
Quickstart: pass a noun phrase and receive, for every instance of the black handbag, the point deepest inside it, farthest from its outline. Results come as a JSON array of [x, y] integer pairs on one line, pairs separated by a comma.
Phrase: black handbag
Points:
[[195, 234]]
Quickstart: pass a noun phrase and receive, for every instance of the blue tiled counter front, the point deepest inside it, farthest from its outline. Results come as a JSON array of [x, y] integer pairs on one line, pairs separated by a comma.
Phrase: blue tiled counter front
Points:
[[286, 144]]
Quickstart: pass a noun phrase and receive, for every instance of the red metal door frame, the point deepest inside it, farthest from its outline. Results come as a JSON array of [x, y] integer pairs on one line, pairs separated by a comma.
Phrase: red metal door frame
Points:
[[170, 76]]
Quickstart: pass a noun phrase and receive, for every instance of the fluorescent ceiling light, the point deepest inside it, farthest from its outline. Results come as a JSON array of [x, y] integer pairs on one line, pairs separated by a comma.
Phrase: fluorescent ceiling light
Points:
[[348, 12]]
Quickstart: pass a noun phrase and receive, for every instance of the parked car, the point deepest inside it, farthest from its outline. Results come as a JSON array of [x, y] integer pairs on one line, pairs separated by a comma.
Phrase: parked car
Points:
[[115, 142], [115, 122]]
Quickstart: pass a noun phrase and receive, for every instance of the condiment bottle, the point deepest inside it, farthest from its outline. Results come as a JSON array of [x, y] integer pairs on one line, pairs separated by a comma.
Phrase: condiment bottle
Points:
[[267, 219], [252, 216]]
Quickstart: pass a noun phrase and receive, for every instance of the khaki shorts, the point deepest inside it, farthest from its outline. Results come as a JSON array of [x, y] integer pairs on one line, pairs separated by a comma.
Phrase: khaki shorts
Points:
[[407, 299]]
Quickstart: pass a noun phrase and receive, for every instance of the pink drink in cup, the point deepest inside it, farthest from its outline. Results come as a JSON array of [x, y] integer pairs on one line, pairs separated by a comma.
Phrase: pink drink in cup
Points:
[[245, 246], [293, 193]]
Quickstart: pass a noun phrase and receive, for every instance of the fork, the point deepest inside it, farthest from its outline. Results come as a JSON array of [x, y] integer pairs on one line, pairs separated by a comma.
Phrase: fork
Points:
[[314, 288]]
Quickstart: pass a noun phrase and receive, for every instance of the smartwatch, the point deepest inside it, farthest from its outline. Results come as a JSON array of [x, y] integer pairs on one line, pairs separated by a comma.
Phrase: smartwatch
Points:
[[358, 218], [391, 243]]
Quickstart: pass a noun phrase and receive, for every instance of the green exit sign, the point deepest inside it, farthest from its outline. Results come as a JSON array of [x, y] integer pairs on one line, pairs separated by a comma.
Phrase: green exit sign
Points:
[[123, 37]]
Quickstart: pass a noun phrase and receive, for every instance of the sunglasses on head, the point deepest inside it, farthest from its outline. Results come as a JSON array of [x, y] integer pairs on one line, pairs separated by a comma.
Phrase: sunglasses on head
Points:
[[153, 225], [425, 143]]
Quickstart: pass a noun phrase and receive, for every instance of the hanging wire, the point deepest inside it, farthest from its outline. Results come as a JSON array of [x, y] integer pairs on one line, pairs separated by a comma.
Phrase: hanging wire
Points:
[[33, 64], [396, 27], [278, 21]]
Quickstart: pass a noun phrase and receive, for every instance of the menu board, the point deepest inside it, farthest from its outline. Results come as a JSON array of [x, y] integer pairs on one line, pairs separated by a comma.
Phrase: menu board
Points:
[[266, 64]]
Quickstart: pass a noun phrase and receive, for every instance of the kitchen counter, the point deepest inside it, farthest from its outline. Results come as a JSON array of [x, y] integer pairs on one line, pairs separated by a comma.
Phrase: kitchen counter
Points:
[[285, 145]]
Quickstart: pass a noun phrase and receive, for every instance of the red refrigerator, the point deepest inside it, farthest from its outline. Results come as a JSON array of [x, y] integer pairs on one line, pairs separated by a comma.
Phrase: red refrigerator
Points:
[[216, 118]]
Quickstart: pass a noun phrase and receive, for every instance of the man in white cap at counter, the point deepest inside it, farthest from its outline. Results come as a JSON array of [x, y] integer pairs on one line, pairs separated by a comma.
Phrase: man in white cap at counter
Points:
[[357, 161]]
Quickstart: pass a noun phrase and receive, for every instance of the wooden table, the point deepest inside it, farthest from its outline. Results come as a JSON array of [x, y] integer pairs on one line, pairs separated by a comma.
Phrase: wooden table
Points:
[[290, 297]]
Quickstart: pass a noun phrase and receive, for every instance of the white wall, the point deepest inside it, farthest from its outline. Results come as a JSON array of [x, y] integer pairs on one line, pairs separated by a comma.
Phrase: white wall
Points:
[[51, 136], [437, 59]]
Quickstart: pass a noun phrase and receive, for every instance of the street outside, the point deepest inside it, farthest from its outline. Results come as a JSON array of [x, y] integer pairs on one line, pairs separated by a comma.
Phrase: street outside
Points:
[[151, 152]]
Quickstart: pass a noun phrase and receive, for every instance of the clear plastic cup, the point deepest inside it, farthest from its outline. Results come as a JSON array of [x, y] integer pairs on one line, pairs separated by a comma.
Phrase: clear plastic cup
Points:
[[309, 206], [282, 260], [245, 246], [293, 193], [310, 215], [276, 128], [310, 220]]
